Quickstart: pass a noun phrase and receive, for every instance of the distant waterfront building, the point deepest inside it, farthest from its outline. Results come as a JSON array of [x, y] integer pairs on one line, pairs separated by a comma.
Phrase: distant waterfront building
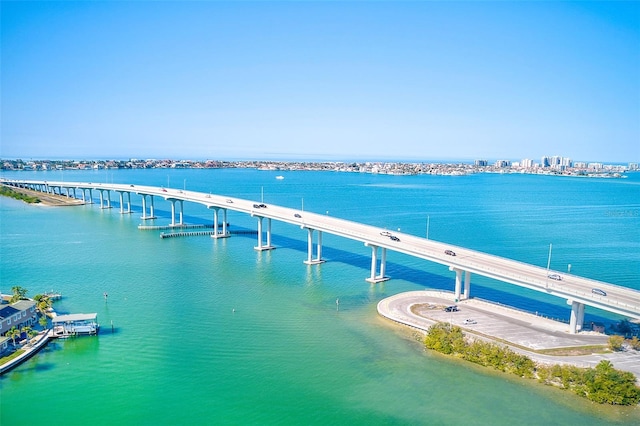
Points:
[[481, 163], [526, 163], [545, 161], [633, 166], [503, 163], [594, 166], [580, 165]]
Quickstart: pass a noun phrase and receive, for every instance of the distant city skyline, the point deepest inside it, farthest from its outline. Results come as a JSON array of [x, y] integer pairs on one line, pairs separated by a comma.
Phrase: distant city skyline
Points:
[[398, 81]]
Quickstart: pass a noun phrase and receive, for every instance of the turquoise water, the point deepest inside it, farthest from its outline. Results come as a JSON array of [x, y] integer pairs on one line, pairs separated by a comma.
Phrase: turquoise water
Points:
[[206, 331]]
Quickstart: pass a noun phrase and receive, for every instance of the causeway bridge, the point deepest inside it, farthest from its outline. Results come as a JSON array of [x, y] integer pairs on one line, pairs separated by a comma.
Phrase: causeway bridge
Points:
[[577, 291]]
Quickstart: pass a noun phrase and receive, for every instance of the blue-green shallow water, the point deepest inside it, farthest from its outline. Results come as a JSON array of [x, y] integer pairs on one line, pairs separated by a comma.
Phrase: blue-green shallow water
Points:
[[179, 354]]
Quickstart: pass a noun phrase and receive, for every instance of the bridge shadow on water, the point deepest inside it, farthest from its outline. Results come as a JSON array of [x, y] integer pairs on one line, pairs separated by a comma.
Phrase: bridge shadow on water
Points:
[[395, 270], [431, 281]]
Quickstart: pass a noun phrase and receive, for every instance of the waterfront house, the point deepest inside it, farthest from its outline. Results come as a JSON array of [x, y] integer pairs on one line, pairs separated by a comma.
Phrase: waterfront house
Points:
[[19, 314], [4, 344]]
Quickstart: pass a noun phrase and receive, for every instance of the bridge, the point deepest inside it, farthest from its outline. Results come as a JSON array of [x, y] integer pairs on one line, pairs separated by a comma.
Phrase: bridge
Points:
[[578, 291]]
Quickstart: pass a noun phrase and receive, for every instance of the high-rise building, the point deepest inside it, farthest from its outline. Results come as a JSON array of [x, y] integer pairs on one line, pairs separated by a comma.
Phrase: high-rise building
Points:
[[480, 163]]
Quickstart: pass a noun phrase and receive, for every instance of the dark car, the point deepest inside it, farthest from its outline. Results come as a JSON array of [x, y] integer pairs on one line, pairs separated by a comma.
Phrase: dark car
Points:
[[450, 252], [598, 292], [452, 308], [256, 206], [394, 238], [297, 215], [262, 206]]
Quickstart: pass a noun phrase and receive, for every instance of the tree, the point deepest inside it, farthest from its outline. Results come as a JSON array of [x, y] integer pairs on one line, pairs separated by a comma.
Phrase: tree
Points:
[[13, 333], [43, 304], [18, 293], [43, 321], [616, 342], [635, 343]]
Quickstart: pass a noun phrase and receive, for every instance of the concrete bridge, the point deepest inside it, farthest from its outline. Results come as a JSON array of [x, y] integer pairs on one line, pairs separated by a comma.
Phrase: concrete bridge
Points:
[[577, 291]]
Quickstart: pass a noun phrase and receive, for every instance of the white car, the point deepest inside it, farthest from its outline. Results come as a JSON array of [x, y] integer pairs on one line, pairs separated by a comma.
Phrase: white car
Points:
[[555, 277], [469, 321]]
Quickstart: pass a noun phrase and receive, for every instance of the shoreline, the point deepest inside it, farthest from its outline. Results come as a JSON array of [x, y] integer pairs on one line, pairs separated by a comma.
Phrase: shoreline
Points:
[[525, 333], [53, 200]]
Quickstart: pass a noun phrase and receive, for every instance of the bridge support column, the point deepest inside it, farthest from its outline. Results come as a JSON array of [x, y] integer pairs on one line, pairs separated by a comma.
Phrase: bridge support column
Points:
[[577, 316], [173, 213], [102, 201], [467, 285], [90, 196], [377, 278], [458, 282], [261, 247], [318, 259], [122, 211], [144, 208], [580, 321], [216, 219]]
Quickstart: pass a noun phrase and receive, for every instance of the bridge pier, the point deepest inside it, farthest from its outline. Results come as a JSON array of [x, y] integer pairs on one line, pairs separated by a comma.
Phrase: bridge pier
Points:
[[216, 219], [458, 294], [173, 212], [377, 278], [108, 201], [144, 208], [84, 195], [122, 211], [467, 285], [577, 316], [261, 247], [318, 259]]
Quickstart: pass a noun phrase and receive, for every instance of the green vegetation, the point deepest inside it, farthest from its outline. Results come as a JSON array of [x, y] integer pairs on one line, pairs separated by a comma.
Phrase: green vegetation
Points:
[[18, 293], [8, 192], [11, 356], [616, 343], [602, 384]]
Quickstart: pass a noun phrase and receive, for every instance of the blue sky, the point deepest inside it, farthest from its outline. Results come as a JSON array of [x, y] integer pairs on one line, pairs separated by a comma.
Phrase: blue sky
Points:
[[321, 80]]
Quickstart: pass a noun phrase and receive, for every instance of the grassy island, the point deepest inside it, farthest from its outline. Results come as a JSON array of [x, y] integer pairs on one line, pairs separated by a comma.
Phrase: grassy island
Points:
[[8, 192], [602, 384]]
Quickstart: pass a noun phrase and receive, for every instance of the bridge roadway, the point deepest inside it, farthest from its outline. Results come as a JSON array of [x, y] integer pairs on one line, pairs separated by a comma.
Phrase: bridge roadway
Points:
[[575, 289]]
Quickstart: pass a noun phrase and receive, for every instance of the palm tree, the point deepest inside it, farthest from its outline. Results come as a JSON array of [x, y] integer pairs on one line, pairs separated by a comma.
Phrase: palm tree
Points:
[[18, 293], [43, 304], [43, 321], [13, 333]]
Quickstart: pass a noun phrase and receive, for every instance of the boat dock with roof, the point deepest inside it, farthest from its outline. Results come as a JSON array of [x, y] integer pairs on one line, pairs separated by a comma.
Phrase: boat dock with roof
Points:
[[74, 325]]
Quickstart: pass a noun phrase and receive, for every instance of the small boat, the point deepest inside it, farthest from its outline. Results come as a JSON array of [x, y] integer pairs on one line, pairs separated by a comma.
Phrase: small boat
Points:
[[279, 177]]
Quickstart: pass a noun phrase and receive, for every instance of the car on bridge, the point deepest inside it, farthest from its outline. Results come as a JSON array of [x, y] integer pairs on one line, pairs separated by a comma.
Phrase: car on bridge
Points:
[[555, 277], [297, 215], [450, 252], [598, 292], [385, 233], [394, 238]]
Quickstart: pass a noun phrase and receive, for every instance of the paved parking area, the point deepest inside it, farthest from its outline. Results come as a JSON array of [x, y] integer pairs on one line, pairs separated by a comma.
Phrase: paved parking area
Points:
[[525, 333]]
